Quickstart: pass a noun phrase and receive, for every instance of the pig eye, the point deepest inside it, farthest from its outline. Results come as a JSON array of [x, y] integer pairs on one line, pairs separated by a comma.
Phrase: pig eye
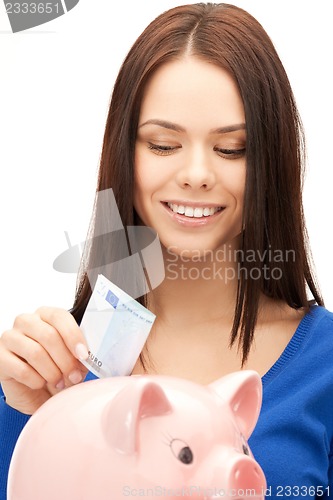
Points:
[[181, 451], [246, 449], [185, 455]]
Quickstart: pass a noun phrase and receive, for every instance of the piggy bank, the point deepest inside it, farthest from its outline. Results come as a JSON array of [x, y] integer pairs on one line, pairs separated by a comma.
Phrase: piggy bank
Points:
[[147, 436]]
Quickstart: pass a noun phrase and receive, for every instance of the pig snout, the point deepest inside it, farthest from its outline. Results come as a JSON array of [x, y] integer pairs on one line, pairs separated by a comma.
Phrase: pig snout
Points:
[[246, 482], [247, 475]]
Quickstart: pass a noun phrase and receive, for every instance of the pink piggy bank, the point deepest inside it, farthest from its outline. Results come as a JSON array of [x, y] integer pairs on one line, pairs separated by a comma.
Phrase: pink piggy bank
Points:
[[142, 436]]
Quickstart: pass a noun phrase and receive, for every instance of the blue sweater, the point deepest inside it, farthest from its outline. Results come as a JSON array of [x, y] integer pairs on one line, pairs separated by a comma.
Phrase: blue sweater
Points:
[[294, 435]]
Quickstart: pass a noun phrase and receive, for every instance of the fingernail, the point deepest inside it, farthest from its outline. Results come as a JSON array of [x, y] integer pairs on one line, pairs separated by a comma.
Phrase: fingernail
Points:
[[81, 351], [61, 385], [75, 377]]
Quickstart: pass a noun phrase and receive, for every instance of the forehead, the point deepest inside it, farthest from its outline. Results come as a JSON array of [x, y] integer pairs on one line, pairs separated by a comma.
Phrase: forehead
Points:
[[191, 89]]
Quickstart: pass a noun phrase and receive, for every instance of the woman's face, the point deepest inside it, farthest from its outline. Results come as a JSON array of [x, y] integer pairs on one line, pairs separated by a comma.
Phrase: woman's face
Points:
[[190, 156]]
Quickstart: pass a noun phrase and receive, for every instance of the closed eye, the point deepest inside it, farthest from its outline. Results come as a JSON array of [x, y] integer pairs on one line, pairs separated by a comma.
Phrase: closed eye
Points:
[[159, 149], [230, 154]]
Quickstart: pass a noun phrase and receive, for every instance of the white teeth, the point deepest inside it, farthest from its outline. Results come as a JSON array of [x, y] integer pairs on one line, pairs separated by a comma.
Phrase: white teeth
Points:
[[198, 212], [189, 211], [193, 211]]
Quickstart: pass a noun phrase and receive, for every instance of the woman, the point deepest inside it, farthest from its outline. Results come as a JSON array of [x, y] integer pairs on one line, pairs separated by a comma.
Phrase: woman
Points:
[[204, 139]]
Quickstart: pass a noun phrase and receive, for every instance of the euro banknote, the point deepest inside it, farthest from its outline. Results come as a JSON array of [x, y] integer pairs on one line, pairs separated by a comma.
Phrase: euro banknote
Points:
[[116, 328]]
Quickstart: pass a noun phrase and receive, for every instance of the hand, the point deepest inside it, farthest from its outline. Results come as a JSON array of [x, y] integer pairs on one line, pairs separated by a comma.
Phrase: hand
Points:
[[40, 356]]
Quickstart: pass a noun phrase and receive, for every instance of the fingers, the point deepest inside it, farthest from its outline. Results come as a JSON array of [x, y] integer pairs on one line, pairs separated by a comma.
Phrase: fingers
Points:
[[65, 324], [44, 348], [39, 356], [55, 332], [17, 369]]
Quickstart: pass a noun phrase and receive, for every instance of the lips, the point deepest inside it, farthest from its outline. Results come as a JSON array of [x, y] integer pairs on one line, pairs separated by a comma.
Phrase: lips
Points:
[[194, 211]]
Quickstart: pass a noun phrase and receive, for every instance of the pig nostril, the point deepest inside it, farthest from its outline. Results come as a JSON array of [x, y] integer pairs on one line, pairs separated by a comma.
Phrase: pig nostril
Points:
[[255, 471], [249, 474]]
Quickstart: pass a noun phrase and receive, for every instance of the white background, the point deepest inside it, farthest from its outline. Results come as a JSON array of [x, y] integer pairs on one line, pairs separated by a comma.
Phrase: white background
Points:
[[55, 85]]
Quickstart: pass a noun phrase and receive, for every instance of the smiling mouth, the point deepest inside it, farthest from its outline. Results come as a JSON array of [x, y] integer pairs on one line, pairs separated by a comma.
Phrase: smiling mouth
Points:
[[193, 212]]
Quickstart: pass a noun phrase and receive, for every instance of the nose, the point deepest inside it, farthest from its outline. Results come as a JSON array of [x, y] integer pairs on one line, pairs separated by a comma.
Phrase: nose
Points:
[[247, 479], [196, 172]]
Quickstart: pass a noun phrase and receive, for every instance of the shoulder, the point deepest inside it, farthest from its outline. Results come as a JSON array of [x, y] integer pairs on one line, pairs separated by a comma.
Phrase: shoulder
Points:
[[308, 357], [319, 321], [313, 339]]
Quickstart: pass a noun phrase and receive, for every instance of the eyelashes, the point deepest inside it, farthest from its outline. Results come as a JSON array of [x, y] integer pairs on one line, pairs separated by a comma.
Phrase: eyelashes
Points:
[[162, 150], [227, 153], [231, 154]]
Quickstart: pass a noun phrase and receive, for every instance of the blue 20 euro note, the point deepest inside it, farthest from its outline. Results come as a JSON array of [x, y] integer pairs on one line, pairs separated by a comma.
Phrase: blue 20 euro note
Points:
[[116, 328]]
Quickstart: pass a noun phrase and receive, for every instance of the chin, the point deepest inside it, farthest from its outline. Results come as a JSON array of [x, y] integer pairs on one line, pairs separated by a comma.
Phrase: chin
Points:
[[199, 249], [196, 252], [186, 253]]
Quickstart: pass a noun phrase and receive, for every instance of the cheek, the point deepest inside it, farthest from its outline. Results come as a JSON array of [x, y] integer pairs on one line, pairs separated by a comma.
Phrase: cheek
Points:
[[146, 183], [140, 174], [149, 176], [234, 182]]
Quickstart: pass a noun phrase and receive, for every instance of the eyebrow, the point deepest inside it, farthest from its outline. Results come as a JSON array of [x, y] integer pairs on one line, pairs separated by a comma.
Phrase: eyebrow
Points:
[[179, 128]]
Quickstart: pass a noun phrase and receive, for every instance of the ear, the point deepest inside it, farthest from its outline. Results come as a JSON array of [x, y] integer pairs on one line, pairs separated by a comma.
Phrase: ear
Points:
[[242, 391], [139, 399]]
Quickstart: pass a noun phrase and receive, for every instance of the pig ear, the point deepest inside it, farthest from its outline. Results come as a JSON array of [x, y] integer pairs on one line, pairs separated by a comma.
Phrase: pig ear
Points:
[[242, 390], [139, 399]]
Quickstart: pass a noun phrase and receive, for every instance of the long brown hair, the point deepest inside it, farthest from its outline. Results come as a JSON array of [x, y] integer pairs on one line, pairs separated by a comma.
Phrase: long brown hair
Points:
[[273, 220]]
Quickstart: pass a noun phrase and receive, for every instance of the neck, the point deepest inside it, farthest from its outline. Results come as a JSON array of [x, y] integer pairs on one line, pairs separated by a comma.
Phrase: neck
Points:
[[197, 289]]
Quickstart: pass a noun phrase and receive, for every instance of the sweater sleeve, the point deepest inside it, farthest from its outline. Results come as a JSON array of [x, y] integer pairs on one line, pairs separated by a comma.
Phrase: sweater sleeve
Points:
[[11, 425]]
